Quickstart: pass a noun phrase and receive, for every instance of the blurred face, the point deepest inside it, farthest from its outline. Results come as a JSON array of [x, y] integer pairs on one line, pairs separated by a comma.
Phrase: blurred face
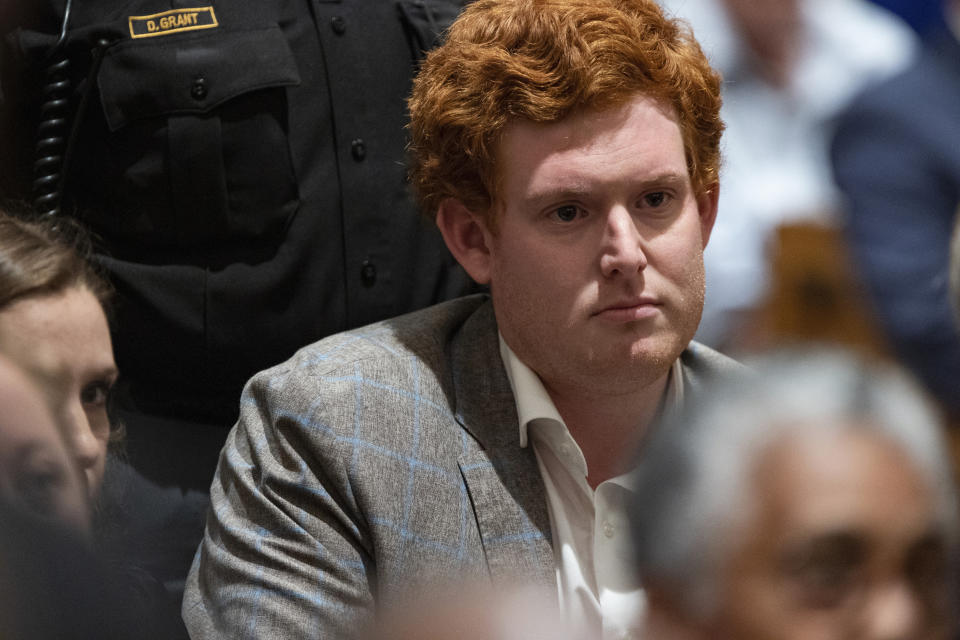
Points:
[[63, 341], [843, 543], [37, 473], [596, 265]]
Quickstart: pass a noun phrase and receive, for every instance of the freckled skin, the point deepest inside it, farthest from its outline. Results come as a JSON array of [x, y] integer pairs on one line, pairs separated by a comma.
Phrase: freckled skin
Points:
[[595, 210]]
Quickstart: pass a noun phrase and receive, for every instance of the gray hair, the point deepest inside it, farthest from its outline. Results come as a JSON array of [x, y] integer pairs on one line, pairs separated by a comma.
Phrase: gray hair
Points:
[[693, 475]]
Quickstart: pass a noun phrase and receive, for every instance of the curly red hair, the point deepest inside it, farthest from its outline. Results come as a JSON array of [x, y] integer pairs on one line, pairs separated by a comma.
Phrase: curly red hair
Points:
[[540, 60]]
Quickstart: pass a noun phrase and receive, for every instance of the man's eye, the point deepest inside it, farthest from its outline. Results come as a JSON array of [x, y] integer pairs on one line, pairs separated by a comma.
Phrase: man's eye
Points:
[[827, 575], [655, 199], [567, 213]]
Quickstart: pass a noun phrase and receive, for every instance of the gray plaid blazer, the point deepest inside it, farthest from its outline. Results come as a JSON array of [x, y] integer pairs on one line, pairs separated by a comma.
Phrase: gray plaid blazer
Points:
[[372, 462]]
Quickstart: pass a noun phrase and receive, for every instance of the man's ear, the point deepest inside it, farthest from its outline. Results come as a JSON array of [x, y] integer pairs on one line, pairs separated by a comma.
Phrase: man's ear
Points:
[[466, 236], [707, 207]]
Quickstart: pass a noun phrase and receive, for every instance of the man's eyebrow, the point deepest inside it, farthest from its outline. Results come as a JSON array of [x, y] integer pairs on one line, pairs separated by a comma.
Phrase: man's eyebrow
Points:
[[844, 545], [573, 191], [566, 192], [669, 179]]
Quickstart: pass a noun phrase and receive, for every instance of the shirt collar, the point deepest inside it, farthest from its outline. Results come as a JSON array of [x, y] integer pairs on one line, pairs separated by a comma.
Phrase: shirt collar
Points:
[[533, 401]]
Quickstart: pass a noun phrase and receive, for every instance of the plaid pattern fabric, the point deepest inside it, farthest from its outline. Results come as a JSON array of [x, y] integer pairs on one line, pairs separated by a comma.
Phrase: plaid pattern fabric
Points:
[[370, 463], [363, 467]]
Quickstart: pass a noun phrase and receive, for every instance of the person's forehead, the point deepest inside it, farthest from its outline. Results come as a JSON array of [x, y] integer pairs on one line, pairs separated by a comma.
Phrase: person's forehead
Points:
[[817, 480], [593, 126], [643, 132], [58, 336], [26, 423]]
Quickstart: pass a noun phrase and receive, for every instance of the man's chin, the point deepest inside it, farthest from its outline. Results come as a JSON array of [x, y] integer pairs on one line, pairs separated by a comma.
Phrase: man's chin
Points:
[[634, 365]]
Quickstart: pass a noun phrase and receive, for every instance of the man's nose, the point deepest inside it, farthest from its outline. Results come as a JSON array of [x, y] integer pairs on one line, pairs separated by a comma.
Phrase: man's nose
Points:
[[622, 250], [892, 613]]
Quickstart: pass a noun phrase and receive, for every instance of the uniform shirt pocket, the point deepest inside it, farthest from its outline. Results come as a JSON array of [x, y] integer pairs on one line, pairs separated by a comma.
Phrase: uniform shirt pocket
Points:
[[198, 131]]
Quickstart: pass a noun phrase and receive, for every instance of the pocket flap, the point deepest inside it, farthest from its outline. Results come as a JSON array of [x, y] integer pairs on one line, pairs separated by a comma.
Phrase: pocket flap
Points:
[[191, 75]]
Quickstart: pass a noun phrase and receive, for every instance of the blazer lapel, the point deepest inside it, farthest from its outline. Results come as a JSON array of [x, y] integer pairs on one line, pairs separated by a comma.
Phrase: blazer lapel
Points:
[[503, 480]]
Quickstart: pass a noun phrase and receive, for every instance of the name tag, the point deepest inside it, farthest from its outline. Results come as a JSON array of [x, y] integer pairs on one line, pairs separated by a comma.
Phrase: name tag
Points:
[[173, 21]]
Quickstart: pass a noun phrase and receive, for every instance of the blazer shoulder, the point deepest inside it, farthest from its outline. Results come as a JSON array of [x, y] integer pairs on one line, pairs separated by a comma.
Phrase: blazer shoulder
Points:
[[701, 362], [422, 334]]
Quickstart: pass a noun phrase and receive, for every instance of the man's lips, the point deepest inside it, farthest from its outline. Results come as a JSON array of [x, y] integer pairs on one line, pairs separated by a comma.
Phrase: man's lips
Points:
[[629, 310]]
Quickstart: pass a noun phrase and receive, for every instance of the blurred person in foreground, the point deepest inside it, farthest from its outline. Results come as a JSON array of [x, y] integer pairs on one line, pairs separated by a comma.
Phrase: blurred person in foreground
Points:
[[44, 520], [51, 585], [896, 156], [37, 471], [815, 501], [53, 325], [474, 611], [569, 152]]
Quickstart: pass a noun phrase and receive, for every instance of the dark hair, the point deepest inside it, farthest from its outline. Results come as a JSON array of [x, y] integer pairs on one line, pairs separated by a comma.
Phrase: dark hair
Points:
[[46, 256]]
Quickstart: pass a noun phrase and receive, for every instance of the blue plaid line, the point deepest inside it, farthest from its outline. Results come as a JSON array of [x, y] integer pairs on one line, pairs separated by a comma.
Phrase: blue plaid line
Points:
[[326, 355], [411, 474], [357, 378], [260, 533], [360, 443], [348, 340], [409, 535], [527, 536], [317, 599], [372, 339], [357, 423]]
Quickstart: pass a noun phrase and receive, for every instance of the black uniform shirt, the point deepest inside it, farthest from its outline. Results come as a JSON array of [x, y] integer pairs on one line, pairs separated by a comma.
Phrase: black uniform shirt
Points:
[[243, 164]]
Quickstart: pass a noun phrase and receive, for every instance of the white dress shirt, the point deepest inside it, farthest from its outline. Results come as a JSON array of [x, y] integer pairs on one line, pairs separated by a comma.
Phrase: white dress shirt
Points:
[[598, 588]]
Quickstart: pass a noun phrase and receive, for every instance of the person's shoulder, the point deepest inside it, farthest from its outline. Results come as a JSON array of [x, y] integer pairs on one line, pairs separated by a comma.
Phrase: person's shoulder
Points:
[[700, 360], [422, 335]]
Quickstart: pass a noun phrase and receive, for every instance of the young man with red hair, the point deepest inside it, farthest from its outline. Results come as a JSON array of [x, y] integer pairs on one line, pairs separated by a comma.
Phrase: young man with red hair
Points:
[[568, 151]]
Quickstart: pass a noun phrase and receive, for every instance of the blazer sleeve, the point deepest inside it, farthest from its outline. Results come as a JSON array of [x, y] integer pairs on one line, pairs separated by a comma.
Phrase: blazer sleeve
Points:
[[285, 553]]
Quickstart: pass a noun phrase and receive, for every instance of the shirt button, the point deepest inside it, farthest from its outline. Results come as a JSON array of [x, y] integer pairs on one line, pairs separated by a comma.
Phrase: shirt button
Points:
[[608, 529], [359, 149], [198, 90], [565, 450], [338, 24], [368, 273]]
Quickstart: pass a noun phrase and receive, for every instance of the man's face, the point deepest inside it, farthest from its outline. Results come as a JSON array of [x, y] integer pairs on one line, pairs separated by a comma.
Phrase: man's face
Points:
[[596, 265], [843, 543]]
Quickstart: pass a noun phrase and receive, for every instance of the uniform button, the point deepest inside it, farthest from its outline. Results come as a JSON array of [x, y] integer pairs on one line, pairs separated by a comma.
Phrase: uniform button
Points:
[[198, 90], [608, 529], [368, 273], [359, 149], [565, 450], [338, 24]]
